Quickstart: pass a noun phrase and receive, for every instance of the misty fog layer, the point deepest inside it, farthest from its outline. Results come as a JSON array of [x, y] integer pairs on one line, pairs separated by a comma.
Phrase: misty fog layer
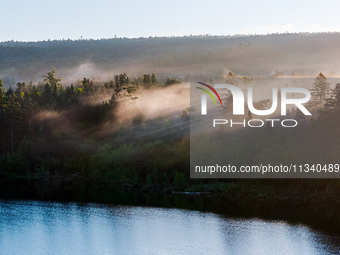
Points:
[[303, 54]]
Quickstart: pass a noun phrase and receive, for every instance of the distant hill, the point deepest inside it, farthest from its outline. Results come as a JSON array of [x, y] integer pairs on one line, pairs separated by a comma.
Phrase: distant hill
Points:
[[304, 54]]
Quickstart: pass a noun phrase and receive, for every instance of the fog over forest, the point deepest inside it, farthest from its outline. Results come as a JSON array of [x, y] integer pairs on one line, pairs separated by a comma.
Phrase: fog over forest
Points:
[[304, 54], [116, 112]]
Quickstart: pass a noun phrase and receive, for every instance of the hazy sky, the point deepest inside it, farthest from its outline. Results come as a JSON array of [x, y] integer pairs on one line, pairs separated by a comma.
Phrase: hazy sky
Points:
[[33, 20]]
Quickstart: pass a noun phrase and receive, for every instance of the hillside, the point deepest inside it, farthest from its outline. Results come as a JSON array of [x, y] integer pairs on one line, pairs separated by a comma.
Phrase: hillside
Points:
[[304, 54]]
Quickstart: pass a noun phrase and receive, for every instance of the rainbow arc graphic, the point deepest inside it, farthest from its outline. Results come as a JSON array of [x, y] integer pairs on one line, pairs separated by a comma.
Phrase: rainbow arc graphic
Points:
[[209, 93]]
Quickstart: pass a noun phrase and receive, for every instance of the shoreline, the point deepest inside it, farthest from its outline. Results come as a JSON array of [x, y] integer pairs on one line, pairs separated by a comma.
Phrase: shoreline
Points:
[[322, 214]]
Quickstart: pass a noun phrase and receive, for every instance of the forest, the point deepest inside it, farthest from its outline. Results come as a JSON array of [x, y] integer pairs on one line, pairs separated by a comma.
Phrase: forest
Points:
[[305, 54], [96, 132]]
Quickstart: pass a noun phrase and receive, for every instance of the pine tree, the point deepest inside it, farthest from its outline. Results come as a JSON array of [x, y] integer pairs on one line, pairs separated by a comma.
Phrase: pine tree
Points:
[[321, 90], [2, 101], [87, 86], [131, 90], [147, 80], [124, 79], [333, 102], [51, 79], [117, 86], [21, 87], [9, 91], [154, 80], [2, 91]]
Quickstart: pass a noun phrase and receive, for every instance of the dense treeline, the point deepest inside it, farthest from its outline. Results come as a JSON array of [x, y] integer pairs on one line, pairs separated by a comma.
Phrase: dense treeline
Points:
[[314, 141], [176, 56], [53, 134]]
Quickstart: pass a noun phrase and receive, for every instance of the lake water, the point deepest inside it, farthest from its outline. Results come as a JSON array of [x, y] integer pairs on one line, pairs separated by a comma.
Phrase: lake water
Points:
[[38, 227]]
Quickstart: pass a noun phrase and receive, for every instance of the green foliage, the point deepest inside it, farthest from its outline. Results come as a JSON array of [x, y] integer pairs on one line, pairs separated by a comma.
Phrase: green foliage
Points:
[[69, 133], [150, 81], [172, 81], [154, 80], [320, 90], [189, 112], [51, 79], [2, 90], [131, 90]]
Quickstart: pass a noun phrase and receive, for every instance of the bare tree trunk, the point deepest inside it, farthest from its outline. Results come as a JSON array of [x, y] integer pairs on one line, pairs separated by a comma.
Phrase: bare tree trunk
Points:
[[12, 136]]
